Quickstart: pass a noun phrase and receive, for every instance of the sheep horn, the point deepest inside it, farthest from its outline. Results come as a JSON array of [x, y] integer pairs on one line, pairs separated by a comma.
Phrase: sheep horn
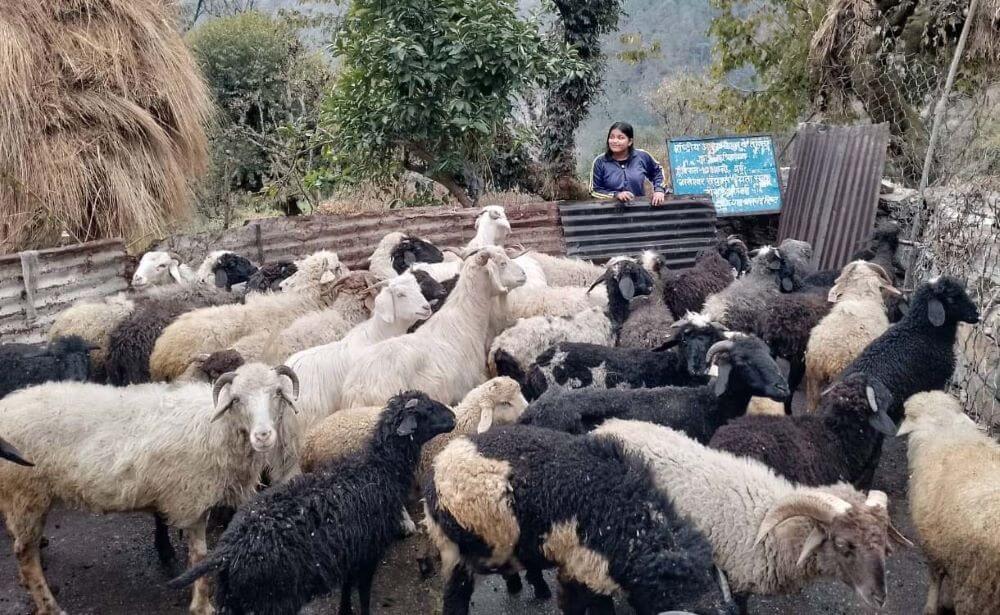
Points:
[[822, 507], [603, 278], [717, 347], [220, 382], [175, 256], [513, 253], [882, 273], [284, 370]]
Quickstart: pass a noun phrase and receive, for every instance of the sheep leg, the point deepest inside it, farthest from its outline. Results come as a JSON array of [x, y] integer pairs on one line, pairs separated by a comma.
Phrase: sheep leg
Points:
[[576, 598], [25, 523], [201, 602], [513, 582], [458, 588], [161, 540], [365, 587], [936, 602], [538, 584], [345, 597]]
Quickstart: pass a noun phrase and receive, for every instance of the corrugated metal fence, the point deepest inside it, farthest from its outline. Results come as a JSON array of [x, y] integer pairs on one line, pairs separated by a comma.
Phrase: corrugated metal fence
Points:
[[833, 189], [679, 228], [354, 236], [36, 285]]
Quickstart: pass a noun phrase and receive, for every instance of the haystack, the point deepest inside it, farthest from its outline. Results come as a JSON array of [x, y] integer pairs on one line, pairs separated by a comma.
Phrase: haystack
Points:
[[102, 115]]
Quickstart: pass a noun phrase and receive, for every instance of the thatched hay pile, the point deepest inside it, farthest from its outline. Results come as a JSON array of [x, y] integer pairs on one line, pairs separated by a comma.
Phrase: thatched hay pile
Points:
[[102, 114], [984, 37], [840, 44]]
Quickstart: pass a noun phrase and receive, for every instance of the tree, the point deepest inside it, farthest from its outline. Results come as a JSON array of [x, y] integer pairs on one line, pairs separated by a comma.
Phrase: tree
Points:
[[429, 84], [267, 87], [581, 24]]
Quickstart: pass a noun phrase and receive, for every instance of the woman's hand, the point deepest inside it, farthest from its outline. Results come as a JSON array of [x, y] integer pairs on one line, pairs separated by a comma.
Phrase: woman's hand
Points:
[[657, 199], [625, 196]]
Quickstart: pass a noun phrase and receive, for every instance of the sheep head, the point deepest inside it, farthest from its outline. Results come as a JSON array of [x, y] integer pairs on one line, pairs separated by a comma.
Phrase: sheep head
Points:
[[415, 416], [848, 538], [499, 401], [493, 224], [933, 413], [745, 366], [857, 394], [400, 301], [410, 249], [862, 280], [941, 301], [252, 398], [157, 268], [503, 273], [693, 335]]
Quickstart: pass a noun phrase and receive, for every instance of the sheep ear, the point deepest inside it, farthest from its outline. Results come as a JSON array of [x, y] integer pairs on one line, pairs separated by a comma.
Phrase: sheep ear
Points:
[[485, 419], [328, 277], [627, 288], [479, 219], [722, 380], [935, 312], [175, 271], [787, 285], [409, 257], [385, 306], [813, 541], [834, 295], [407, 426], [906, 427]]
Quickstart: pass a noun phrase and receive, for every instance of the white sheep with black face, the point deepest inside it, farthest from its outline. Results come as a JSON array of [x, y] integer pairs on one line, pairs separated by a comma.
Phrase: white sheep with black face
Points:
[[178, 450]]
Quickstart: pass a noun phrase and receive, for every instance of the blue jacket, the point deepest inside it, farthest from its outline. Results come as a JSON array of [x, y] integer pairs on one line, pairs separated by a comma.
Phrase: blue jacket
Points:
[[608, 176]]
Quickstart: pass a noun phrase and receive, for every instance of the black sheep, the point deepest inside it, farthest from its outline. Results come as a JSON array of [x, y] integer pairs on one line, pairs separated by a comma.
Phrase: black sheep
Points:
[[917, 354], [269, 277], [680, 361], [329, 528], [568, 496], [840, 442], [24, 365], [746, 369], [685, 291], [231, 269], [435, 292], [411, 250], [131, 341], [624, 280]]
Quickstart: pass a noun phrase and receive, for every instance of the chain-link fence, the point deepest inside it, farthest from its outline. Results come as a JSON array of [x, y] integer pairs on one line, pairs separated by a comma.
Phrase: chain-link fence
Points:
[[866, 76]]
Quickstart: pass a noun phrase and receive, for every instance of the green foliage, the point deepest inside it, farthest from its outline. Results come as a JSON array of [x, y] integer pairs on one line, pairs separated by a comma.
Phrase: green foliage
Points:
[[770, 38], [430, 83], [267, 87]]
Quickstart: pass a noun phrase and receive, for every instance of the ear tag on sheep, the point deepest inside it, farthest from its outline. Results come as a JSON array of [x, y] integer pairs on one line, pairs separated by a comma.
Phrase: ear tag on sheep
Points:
[[872, 402], [723, 379], [627, 288], [935, 312]]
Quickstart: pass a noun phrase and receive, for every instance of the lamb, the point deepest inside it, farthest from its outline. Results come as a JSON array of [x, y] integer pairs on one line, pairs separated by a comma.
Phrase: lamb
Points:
[[745, 369], [321, 369], [680, 361], [686, 291], [270, 276], [750, 293], [93, 321], [215, 328], [917, 354], [24, 365], [649, 320], [298, 541], [496, 402], [131, 341], [519, 497], [445, 358], [150, 447], [770, 536], [857, 318], [954, 473], [397, 251], [839, 443]]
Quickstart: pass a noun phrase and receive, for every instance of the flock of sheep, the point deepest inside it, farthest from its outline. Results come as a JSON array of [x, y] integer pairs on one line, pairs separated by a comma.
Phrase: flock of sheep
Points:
[[627, 425]]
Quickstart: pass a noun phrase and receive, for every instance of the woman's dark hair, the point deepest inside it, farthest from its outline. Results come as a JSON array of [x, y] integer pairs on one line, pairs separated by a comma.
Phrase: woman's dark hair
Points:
[[627, 130]]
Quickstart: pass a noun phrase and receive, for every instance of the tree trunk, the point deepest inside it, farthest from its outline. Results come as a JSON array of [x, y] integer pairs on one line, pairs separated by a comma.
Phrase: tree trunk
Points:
[[449, 181]]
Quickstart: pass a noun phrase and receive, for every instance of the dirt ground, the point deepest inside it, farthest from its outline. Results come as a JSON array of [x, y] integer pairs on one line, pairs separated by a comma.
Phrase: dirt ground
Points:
[[105, 564]]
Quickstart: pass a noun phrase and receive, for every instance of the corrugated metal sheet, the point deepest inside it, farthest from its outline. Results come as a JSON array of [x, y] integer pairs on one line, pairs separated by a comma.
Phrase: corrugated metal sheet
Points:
[[35, 286], [833, 189], [354, 236], [679, 228]]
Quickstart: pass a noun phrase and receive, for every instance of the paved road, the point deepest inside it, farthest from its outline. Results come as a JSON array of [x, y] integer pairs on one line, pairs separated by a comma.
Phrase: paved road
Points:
[[105, 565]]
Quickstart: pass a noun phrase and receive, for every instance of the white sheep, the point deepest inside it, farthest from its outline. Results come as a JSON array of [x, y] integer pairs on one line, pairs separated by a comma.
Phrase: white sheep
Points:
[[769, 535], [207, 330], [321, 369], [955, 502], [177, 450], [157, 268], [857, 318], [446, 357]]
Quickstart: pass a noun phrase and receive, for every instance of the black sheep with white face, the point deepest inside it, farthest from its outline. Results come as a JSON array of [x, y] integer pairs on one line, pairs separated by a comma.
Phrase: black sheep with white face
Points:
[[411, 250]]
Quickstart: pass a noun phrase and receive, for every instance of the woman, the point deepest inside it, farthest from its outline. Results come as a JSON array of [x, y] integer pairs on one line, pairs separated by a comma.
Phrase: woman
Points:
[[619, 172]]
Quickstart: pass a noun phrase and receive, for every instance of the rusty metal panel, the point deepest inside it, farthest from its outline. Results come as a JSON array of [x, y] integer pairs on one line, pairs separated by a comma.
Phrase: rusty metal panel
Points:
[[354, 236], [36, 286], [833, 187], [679, 229]]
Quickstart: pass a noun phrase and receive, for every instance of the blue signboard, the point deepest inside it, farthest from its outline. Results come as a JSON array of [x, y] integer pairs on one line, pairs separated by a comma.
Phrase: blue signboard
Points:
[[739, 172]]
